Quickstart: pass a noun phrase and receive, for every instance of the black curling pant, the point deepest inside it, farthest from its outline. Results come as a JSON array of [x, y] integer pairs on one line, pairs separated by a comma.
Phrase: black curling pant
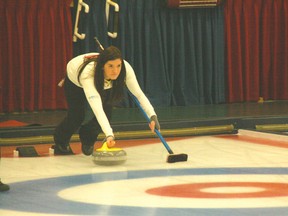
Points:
[[77, 108]]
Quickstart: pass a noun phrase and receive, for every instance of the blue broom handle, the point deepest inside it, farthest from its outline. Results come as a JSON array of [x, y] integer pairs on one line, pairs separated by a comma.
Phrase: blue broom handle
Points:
[[148, 120], [163, 141]]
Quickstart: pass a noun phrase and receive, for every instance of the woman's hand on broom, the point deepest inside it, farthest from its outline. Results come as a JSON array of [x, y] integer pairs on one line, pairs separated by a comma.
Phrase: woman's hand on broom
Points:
[[154, 123]]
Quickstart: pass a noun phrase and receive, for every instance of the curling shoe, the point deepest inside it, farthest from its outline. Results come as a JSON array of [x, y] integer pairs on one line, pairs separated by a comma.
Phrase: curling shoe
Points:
[[62, 150], [4, 187], [87, 149]]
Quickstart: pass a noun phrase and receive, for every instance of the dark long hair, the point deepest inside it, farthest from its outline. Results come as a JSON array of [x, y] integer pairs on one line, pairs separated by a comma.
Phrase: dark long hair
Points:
[[108, 54]]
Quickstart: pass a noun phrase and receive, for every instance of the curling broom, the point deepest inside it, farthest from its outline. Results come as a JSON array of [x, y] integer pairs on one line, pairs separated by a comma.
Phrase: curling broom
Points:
[[172, 158]]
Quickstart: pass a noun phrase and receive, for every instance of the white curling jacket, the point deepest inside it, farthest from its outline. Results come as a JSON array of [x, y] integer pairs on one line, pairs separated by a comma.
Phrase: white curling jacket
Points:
[[94, 98]]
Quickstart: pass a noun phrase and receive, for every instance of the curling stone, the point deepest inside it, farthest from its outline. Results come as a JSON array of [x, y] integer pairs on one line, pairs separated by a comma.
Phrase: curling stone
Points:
[[109, 156]]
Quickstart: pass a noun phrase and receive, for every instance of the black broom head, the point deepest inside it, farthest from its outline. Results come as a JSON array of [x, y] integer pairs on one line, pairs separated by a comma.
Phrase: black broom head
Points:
[[173, 158]]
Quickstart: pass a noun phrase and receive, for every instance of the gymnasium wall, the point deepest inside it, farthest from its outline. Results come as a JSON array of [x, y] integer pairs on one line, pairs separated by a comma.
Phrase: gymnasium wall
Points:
[[235, 52]]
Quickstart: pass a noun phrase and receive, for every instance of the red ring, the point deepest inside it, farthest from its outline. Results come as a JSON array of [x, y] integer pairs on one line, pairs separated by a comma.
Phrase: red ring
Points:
[[270, 189]]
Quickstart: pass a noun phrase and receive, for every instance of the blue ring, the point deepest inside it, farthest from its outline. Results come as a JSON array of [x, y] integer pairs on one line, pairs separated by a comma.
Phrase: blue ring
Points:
[[40, 196]]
